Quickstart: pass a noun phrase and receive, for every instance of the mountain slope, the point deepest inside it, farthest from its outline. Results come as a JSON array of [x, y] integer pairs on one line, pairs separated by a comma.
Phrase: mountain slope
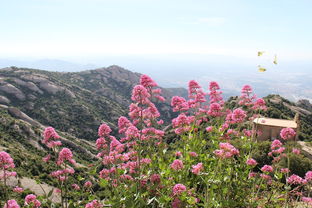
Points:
[[76, 103]]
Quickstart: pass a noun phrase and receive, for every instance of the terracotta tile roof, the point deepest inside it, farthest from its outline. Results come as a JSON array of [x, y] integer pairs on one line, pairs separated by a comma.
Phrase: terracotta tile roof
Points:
[[276, 122]]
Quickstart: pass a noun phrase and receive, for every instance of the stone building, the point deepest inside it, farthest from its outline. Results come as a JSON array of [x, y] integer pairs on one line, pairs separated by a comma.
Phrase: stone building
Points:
[[270, 127]]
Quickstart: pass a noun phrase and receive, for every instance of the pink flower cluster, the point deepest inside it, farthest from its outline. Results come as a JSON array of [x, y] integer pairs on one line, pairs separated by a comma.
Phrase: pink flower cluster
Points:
[[148, 83], [65, 155], [6, 163], [308, 176], [11, 204], [179, 104], [178, 189], [182, 123], [249, 99], [277, 150], [94, 204], [307, 200], [226, 151], [31, 200], [267, 168], [177, 165], [104, 130], [196, 94], [18, 189], [196, 169], [296, 180], [215, 95], [287, 133], [62, 175], [251, 162], [50, 138]]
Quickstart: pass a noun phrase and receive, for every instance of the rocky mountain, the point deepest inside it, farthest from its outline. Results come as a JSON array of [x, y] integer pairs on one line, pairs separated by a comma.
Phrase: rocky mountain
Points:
[[279, 107], [73, 102]]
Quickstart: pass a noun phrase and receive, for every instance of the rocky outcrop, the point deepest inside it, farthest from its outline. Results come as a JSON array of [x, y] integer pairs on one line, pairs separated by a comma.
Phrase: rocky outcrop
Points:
[[12, 90], [305, 104], [20, 115], [4, 100], [29, 85]]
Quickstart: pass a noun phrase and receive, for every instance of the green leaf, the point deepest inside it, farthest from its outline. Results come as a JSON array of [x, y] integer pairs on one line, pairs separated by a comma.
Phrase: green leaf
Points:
[[50, 193], [103, 183]]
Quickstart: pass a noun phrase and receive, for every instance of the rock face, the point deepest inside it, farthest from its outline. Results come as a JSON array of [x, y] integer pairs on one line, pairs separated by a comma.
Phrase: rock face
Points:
[[4, 100], [305, 104], [11, 89], [20, 115]]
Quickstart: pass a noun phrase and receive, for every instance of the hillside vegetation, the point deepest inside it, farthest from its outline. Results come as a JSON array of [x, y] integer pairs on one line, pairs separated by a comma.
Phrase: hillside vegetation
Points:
[[205, 158]]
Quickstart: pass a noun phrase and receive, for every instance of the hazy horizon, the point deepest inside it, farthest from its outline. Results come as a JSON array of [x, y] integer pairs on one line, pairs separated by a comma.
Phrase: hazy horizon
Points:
[[172, 41]]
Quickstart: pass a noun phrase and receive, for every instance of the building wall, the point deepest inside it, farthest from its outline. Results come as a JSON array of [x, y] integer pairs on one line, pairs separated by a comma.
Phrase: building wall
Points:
[[268, 132]]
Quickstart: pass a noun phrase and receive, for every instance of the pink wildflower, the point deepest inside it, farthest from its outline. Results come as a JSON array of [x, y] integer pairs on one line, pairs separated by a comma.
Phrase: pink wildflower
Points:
[[296, 151], [46, 158], [104, 130], [267, 168], [88, 184], [246, 89], [94, 204], [294, 179], [31, 199], [146, 81], [178, 154], [307, 200], [226, 151], [50, 138], [252, 175], [6, 161], [177, 165], [57, 191], [49, 133], [196, 169], [238, 115], [65, 154], [155, 178], [140, 94], [209, 128], [287, 133], [251, 162], [178, 189], [182, 123], [284, 170], [18, 189], [265, 176], [76, 187], [259, 105], [179, 104], [11, 204], [123, 124], [176, 203], [308, 176], [193, 154], [215, 109]]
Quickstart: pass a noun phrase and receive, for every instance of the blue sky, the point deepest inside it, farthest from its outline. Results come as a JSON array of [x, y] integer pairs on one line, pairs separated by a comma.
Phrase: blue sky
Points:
[[95, 28]]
